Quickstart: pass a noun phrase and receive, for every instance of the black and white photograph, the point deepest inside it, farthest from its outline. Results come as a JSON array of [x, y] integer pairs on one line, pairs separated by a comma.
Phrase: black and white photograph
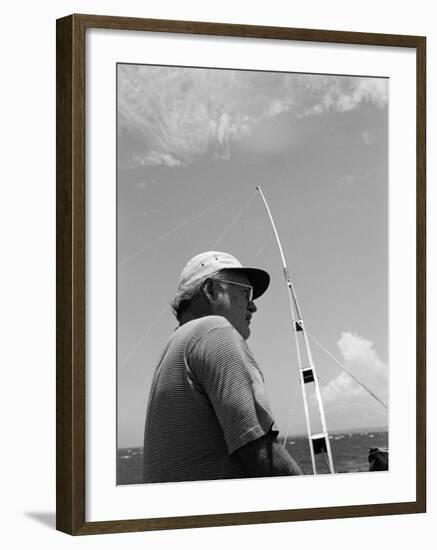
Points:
[[252, 274], [219, 247]]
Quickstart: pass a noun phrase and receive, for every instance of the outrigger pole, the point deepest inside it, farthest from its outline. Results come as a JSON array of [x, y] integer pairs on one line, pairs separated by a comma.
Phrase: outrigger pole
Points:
[[319, 442]]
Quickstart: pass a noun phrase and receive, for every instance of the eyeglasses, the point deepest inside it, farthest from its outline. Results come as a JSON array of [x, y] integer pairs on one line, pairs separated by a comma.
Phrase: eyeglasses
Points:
[[249, 288]]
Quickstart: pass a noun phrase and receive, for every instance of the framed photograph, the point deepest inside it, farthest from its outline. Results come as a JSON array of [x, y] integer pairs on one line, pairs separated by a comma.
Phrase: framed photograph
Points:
[[240, 274]]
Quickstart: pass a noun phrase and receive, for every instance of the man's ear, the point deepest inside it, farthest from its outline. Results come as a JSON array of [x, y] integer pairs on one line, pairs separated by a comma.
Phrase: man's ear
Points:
[[209, 290]]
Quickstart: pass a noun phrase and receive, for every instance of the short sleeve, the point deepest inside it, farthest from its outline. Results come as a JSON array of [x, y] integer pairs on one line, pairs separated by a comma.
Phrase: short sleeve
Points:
[[227, 371]]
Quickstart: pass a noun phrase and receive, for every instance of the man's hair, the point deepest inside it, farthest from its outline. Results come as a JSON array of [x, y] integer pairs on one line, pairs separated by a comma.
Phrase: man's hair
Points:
[[185, 296]]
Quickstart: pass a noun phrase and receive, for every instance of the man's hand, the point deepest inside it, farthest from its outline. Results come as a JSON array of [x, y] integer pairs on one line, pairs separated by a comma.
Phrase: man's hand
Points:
[[266, 457]]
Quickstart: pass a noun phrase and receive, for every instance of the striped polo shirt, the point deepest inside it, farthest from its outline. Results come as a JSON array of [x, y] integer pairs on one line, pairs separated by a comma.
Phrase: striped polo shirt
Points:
[[207, 400]]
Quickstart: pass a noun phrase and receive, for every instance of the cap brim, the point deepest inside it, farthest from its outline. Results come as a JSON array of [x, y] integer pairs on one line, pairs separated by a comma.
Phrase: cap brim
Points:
[[258, 278]]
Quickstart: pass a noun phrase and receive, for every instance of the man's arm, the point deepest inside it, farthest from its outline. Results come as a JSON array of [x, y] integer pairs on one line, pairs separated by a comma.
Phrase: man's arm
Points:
[[266, 457]]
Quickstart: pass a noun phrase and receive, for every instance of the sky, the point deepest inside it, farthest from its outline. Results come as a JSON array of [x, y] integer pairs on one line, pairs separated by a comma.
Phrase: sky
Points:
[[192, 146]]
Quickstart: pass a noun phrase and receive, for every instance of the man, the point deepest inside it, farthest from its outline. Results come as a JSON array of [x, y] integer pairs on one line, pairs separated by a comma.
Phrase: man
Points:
[[208, 416]]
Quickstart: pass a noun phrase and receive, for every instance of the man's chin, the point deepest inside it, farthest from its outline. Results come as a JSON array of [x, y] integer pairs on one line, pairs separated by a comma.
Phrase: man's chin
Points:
[[245, 333]]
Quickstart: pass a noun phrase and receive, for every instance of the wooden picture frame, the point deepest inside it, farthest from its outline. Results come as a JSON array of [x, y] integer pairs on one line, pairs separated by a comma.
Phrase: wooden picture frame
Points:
[[71, 278]]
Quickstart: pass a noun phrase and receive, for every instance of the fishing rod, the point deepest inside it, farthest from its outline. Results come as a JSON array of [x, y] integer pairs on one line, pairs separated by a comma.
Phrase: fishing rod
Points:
[[319, 443]]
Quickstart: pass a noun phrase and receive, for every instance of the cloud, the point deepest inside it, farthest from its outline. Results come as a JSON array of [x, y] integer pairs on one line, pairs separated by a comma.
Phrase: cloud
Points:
[[171, 116], [155, 158], [347, 401], [343, 93], [362, 357]]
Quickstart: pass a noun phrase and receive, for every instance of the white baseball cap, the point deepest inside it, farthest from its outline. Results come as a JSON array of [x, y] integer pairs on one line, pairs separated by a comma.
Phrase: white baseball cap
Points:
[[207, 263]]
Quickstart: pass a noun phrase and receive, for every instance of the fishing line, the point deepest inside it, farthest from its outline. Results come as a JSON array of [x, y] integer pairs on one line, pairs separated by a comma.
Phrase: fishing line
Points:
[[246, 204], [346, 371], [183, 224], [261, 249], [166, 307], [150, 328], [293, 406], [345, 396]]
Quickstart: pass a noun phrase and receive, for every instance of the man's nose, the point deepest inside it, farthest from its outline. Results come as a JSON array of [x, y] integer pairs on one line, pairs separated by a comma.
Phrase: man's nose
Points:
[[252, 307]]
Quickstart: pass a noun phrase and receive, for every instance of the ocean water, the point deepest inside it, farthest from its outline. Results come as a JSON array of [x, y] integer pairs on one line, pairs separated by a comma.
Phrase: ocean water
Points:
[[350, 452]]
